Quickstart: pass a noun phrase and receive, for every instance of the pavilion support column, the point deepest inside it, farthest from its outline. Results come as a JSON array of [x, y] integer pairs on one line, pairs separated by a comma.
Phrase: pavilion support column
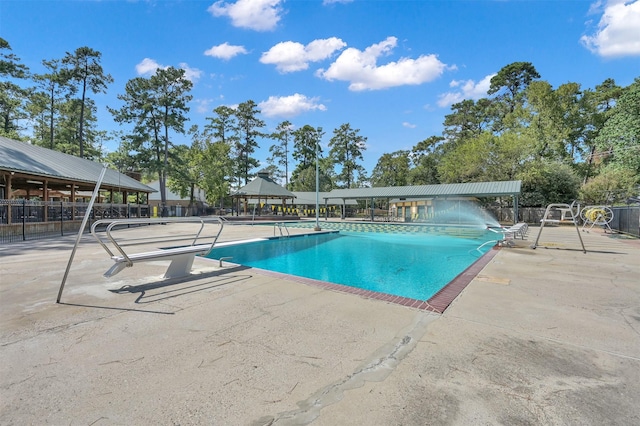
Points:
[[45, 198], [372, 210], [9, 197], [125, 201], [72, 199], [515, 209], [389, 216]]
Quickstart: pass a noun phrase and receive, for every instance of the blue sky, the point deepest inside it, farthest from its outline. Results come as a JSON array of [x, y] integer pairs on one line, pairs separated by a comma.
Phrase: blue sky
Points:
[[389, 68]]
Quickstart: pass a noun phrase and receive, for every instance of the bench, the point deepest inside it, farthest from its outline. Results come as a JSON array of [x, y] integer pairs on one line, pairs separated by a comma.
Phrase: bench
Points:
[[181, 257]]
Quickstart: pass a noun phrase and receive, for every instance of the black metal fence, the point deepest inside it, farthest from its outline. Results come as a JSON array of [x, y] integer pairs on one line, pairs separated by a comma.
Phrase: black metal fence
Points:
[[626, 219], [22, 220]]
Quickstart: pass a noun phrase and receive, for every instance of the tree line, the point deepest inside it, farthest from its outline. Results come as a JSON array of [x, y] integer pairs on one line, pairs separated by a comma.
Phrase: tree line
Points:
[[563, 143]]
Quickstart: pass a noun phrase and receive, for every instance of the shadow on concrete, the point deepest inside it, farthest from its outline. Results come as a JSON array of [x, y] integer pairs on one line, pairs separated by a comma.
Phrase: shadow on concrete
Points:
[[172, 288], [115, 309], [576, 249]]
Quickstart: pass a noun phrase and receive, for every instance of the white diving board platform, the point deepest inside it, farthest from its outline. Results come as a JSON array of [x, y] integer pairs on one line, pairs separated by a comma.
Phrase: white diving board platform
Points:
[[181, 257]]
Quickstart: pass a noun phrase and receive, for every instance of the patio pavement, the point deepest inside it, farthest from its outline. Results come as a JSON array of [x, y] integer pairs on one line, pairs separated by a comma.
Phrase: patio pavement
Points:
[[549, 336]]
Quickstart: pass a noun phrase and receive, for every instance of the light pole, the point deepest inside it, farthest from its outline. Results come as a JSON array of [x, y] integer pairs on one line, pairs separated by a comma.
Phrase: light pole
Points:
[[317, 228]]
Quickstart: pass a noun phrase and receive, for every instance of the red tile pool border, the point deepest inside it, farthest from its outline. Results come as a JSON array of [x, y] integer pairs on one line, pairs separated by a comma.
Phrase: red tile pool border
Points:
[[438, 303]]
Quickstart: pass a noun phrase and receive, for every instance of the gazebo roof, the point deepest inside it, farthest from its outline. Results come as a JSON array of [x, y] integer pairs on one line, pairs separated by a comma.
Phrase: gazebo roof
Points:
[[263, 187]]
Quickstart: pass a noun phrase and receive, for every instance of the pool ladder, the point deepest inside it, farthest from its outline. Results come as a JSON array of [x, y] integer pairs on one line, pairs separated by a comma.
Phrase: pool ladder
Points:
[[280, 226]]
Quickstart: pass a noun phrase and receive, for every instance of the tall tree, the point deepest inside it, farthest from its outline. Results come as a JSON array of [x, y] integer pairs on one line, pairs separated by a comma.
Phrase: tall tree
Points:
[[223, 129], [424, 159], [249, 126], [83, 68], [620, 135], [304, 180], [306, 145], [53, 85], [489, 157], [511, 82], [66, 134], [280, 150], [223, 126], [346, 150], [391, 170], [306, 140], [556, 119], [13, 97], [205, 165], [155, 106], [468, 119], [598, 104]]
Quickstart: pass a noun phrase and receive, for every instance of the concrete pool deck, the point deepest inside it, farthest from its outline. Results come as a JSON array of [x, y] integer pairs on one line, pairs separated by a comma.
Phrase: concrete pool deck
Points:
[[544, 336]]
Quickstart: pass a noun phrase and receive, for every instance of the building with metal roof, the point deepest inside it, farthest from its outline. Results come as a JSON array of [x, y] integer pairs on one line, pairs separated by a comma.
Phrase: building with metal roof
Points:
[[471, 189], [411, 194], [36, 171], [309, 199]]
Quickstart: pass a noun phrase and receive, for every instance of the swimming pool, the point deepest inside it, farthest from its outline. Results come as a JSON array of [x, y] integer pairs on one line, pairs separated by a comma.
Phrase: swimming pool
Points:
[[413, 265]]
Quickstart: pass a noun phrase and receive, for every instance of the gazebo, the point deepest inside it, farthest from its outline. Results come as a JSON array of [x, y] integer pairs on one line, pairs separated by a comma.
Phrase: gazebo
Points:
[[262, 188]]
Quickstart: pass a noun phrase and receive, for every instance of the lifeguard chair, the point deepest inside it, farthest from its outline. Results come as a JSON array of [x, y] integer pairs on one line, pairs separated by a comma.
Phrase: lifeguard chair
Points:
[[566, 210]]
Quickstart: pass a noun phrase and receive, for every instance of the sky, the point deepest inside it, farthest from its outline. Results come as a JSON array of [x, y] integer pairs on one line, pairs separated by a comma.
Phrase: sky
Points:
[[391, 69]]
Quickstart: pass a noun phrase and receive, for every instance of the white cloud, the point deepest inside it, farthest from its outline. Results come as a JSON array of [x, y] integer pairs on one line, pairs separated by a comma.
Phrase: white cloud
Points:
[[467, 89], [225, 51], [203, 106], [289, 56], [191, 74], [361, 70], [618, 32], [289, 106], [408, 125], [258, 15], [149, 66]]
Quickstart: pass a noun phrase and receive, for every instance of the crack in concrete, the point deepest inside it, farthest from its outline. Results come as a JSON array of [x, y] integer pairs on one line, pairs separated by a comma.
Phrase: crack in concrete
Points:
[[374, 369]]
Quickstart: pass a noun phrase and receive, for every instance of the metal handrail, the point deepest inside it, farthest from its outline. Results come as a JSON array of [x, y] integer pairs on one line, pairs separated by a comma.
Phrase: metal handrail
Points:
[[280, 225], [115, 222]]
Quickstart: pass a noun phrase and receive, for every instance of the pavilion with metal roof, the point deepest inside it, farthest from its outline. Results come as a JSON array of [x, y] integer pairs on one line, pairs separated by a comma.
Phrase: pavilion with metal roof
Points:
[[33, 171], [262, 187], [450, 190]]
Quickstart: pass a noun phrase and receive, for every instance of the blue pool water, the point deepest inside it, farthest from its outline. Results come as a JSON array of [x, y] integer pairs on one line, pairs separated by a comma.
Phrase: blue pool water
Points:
[[409, 265]]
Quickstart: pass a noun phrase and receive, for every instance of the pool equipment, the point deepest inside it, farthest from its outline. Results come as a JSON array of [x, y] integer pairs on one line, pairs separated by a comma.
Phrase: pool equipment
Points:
[[596, 216]]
